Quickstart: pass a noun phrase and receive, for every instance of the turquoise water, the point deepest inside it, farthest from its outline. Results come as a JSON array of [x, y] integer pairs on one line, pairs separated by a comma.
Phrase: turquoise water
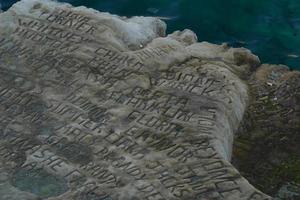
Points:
[[270, 28]]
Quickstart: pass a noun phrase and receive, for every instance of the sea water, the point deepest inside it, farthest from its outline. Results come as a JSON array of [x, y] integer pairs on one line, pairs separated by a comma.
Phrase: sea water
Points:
[[269, 28]]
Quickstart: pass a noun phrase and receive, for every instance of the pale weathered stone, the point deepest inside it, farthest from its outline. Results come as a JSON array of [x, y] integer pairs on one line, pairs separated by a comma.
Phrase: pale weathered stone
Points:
[[95, 106]]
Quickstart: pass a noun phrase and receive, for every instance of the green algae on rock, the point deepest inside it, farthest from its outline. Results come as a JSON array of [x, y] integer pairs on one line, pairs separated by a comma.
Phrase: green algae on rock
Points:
[[39, 183], [271, 126]]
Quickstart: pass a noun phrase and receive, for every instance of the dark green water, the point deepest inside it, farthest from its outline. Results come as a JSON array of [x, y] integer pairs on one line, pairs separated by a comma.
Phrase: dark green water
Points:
[[270, 28]]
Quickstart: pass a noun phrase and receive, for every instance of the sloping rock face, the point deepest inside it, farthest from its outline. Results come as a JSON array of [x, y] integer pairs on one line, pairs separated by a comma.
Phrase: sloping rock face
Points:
[[271, 125], [98, 107]]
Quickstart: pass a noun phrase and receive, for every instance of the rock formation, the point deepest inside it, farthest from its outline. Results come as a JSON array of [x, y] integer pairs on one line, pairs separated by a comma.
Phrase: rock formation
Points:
[[271, 125], [100, 107]]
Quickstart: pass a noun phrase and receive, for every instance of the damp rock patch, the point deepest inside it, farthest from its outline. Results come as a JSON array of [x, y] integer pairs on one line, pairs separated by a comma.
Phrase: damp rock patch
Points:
[[39, 183]]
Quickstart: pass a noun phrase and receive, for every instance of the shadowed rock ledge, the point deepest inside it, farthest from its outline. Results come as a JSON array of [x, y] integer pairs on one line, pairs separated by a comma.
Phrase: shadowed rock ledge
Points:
[[271, 125], [100, 107]]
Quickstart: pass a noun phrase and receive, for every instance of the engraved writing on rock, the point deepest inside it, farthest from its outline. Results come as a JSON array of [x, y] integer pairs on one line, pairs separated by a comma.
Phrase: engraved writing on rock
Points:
[[90, 110]]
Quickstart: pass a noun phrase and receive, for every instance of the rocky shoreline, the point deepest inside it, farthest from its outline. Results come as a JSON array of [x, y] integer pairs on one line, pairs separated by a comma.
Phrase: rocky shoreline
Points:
[[100, 107], [268, 141]]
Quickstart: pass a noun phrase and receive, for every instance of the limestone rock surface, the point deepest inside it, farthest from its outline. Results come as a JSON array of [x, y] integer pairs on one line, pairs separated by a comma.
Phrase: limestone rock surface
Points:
[[100, 107]]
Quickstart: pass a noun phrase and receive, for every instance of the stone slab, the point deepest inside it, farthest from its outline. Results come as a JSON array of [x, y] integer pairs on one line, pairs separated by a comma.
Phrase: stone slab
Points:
[[100, 107]]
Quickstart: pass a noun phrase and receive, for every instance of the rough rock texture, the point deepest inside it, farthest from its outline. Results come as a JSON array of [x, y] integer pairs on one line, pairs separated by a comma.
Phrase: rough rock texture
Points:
[[271, 126], [99, 107]]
